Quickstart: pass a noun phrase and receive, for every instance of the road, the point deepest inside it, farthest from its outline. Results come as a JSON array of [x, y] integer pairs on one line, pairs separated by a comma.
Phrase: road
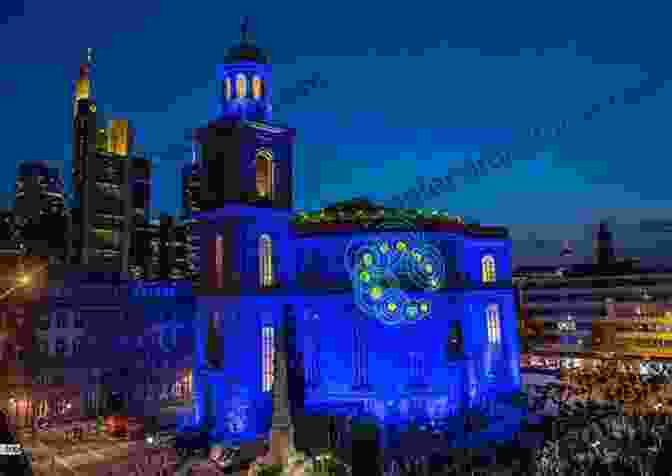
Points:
[[101, 455]]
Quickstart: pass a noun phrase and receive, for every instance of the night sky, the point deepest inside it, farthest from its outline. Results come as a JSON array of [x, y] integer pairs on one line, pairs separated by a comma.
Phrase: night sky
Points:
[[413, 88]]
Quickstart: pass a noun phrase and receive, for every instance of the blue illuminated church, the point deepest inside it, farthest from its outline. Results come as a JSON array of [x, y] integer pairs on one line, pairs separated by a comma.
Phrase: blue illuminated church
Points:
[[393, 315]]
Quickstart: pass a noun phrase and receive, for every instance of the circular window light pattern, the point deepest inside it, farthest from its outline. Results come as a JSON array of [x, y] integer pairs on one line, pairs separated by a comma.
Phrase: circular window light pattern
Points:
[[380, 267]]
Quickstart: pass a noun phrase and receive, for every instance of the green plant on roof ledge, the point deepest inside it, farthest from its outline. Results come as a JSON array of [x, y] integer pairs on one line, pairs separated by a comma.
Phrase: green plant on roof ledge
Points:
[[363, 212]]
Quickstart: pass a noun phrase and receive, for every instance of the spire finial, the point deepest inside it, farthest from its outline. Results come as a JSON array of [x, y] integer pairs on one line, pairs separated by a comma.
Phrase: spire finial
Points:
[[244, 30]]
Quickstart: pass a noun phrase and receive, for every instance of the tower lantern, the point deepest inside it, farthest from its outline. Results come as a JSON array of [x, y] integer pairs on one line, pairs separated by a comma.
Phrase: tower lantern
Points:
[[245, 79]]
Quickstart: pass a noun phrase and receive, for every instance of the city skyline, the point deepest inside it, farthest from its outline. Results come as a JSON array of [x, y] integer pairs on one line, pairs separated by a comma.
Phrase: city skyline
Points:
[[489, 84]]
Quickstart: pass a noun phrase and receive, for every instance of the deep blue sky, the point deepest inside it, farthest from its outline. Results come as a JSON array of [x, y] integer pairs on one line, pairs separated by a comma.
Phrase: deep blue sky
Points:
[[412, 87]]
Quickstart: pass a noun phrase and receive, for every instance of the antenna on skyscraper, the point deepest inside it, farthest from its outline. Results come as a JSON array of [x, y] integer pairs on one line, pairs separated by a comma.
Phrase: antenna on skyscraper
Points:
[[90, 66]]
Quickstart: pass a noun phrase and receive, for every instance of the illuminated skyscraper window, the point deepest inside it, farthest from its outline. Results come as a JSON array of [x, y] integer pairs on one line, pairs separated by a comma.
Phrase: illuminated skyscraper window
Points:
[[257, 90], [266, 261], [268, 352], [241, 86], [494, 329], [488, 269]]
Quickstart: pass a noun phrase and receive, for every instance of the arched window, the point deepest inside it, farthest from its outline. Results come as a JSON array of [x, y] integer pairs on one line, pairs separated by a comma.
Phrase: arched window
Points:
[[264, 175], [268, 351], [488, 269], [257, 90], [416, 368], [227, 89], [494, 328], [219, 261], [241, 86], [266, 261]]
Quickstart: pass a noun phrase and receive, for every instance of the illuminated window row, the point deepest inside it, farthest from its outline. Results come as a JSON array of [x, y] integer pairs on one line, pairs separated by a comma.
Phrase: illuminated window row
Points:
[[648, 343], [155, 292], [266, 274], [242, 87]]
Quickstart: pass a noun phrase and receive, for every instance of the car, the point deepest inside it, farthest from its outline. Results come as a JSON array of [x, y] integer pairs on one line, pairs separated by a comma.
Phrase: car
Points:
[[161, 439]]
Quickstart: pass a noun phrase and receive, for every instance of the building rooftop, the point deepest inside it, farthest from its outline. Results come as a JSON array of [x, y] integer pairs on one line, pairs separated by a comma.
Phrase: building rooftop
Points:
[[587, 270]]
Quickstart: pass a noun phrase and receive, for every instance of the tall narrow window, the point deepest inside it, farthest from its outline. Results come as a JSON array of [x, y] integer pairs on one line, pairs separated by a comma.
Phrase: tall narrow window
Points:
[[494, 329], [360, 357], [241, 86], [227, 89], [266, 261], [488, 269], [77, 345], [61, 346], [356, 371], [264, 173], [416, 368], [62, 319], [312, 354], [268, 351], [219, 260], [257, 87]]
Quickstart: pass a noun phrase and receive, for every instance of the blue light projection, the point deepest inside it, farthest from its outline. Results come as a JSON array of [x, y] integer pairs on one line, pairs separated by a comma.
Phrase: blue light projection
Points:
[[380, 269]]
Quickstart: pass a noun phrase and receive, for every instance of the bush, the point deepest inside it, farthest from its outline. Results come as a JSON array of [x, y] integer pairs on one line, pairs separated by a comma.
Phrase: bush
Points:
[[270, 470]]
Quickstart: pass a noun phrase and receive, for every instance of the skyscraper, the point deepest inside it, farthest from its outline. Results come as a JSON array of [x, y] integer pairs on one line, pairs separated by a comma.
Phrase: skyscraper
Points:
[[191, 203], [167, 250], [83, 153], [39, 210], [103, 180]]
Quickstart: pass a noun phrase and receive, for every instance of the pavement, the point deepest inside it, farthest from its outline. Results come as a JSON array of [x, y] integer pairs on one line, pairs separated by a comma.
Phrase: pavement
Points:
[[51, 453]]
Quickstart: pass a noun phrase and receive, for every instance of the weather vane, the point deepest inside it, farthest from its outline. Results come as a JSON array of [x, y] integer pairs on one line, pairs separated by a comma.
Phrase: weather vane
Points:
[[244, 30]]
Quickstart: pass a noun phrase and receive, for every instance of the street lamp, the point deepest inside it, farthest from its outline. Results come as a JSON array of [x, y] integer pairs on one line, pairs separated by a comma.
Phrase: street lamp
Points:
[[23, 279]]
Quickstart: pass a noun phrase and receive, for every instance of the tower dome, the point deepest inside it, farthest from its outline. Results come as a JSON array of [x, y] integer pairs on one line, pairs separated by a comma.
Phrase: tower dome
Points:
[[245, 52]]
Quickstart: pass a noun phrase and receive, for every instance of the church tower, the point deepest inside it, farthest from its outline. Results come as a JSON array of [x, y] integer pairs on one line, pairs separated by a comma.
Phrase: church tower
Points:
[[246, 159]]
